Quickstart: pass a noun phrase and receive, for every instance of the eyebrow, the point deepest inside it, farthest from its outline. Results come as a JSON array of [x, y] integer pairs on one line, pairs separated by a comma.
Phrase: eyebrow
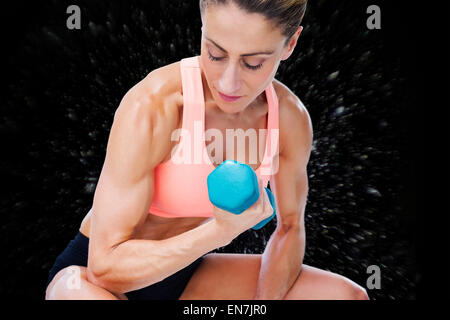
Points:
[[242, 55]]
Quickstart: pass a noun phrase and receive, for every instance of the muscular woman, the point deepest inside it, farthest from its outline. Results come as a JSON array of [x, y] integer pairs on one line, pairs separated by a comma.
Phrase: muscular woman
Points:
[[151, 229]]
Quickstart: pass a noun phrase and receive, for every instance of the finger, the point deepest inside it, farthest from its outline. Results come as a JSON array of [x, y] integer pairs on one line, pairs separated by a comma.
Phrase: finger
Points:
[[262, 191], [259, 203]]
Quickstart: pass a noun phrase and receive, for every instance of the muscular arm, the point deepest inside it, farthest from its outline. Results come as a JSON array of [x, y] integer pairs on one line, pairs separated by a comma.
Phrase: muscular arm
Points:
[[283, 256], [116, 261]]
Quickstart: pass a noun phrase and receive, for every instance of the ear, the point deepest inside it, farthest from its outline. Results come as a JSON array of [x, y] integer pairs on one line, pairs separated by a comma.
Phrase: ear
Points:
[[292, 43]]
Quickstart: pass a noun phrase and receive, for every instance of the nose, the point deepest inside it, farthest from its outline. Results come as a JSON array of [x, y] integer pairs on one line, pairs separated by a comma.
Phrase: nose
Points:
[[230, 81]]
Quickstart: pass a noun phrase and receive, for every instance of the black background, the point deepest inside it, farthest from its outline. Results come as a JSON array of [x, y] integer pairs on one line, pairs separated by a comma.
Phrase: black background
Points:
[[367, 180]]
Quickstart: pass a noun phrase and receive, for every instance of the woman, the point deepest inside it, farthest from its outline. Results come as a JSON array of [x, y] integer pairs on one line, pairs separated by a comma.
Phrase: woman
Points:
[[151, 228]]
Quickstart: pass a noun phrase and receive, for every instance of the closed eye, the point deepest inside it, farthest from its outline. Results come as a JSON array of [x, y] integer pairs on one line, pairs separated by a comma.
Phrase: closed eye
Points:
[[212, 58]]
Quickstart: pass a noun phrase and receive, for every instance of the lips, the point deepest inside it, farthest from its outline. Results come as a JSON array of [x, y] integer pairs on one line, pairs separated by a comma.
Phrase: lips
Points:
[[228, 98]]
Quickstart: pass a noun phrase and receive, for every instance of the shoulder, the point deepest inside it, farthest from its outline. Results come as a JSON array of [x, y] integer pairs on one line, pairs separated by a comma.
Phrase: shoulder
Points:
[[152, 105], [158, 91], [296, 132]]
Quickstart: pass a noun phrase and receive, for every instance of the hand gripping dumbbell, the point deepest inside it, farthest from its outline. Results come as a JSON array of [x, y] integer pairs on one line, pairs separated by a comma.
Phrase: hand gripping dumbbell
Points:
[[233, 187]]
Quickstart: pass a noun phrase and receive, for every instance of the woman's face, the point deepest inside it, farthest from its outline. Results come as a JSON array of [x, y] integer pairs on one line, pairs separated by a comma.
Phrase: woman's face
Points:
[[240, 54]]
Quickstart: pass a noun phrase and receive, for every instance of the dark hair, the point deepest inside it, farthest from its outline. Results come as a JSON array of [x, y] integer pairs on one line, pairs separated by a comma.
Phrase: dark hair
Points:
[[285, 14]]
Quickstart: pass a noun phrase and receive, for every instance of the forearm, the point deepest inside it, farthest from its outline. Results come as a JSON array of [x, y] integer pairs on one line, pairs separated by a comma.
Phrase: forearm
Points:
[[281, 264], [135, 264]]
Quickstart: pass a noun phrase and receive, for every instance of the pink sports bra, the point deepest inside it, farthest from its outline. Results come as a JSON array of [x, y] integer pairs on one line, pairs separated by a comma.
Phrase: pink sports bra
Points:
[[180, 187]]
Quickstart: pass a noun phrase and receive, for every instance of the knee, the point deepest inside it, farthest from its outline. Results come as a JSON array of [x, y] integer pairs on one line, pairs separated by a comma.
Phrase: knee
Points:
[[359, 293], [65, 282], [353, 291], [362, 295]]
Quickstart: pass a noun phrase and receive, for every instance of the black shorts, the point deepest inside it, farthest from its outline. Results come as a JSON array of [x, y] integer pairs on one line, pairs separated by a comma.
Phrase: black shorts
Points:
[[170, 288]]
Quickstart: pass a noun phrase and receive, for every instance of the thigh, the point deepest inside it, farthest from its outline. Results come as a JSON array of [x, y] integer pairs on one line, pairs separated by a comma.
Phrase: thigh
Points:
[[225, 276], [317, 284]]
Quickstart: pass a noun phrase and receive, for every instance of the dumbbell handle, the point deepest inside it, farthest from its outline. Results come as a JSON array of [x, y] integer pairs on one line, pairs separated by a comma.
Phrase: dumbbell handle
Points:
[[265, 221]]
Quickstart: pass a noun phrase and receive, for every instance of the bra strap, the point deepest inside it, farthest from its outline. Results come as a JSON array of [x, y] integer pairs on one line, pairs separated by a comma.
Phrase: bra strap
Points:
[[194, 107], [269, 165]]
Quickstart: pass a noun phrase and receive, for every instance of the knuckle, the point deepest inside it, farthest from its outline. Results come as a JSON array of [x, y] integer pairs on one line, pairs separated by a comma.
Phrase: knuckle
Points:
[[259, 207], [268, 211]]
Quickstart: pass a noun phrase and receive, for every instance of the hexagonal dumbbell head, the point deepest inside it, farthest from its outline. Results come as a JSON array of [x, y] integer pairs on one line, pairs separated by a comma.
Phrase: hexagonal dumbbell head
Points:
[[233, 186]]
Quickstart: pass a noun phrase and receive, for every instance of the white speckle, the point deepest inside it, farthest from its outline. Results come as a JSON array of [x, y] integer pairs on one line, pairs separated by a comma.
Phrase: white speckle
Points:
[[373, 191], [333, 76], [338, 111]]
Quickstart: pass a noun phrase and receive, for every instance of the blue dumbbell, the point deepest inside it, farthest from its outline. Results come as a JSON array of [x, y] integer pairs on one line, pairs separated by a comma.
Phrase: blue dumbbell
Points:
[[233, 187]]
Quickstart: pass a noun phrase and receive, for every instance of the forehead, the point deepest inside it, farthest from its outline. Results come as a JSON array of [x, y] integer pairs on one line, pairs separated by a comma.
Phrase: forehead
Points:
[[228, 22]]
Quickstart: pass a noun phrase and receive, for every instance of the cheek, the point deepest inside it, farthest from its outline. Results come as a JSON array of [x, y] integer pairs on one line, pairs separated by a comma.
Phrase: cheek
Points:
[[262, 78], [212, 70], [269, 70], [265, 77]]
